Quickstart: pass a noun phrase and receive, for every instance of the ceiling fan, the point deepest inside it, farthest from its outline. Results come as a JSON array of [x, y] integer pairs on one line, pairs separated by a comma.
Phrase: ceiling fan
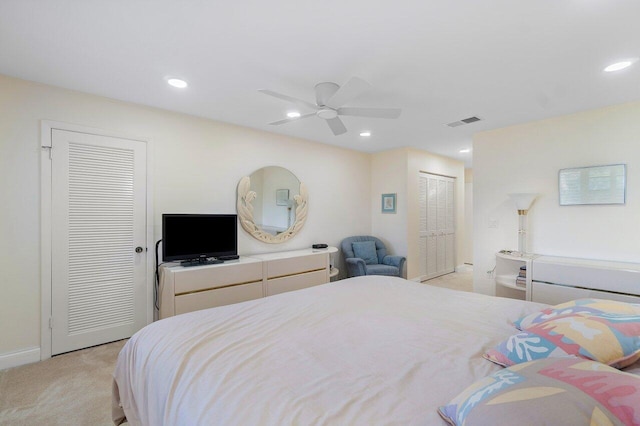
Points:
[[330, 99]]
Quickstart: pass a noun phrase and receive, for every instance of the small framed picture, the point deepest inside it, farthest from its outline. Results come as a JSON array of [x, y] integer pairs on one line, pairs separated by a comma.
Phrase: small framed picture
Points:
[[388, 203], [282, 197]]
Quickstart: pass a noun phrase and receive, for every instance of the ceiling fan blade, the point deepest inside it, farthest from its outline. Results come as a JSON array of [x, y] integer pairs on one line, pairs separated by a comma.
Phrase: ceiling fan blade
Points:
[[371, 112], [288, 98], [350, 90], [289, 120], [337, 126]]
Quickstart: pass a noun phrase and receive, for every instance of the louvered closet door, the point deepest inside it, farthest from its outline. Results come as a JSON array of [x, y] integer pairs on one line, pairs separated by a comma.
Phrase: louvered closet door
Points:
[[98, 220], [446, 235], [436, 230]]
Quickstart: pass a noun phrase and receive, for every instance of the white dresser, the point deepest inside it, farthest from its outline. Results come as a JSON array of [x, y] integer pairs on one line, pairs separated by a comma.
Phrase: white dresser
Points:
[[557, 280], [187, 289], [294, 270]]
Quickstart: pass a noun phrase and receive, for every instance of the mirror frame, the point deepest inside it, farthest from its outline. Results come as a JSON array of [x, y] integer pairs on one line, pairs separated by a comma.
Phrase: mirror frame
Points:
[[245, 213]]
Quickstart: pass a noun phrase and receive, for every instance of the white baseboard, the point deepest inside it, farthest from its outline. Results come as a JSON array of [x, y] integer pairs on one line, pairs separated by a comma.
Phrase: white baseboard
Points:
[[14, 359]]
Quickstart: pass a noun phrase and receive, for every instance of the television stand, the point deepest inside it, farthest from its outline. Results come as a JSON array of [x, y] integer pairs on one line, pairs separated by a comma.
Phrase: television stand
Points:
[[247, 278], [200, 262], [229, 257]]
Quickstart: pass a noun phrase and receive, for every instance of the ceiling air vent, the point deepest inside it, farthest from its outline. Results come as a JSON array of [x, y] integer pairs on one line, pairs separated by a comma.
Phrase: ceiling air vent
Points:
[[464, 121]]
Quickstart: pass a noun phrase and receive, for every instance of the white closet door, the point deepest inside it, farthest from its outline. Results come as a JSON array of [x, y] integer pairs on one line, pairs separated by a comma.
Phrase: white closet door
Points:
[[98, 220], [437, 230], [423, 232], [432, 226], [449, 227]]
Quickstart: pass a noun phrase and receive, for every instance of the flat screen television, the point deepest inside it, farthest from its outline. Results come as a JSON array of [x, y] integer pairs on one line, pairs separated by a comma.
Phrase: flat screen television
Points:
[[189, 237]]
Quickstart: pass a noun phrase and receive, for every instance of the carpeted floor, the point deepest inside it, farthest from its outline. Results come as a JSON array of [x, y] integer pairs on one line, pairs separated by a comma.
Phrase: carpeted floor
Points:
[[462, 280], [68, 389], [75, 388]]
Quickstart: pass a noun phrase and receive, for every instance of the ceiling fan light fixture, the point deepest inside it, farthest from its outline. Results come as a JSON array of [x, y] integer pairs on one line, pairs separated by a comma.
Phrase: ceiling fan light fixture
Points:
[[327, 113], [330, 101], [620, 65], [176, 82]]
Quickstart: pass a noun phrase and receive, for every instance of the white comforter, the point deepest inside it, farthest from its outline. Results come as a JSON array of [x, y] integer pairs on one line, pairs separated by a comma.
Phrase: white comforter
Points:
[[368, 350]]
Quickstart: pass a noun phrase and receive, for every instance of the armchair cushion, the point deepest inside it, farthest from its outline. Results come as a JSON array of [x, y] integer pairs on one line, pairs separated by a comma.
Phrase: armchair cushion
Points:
[[382, 270], [366, 250]]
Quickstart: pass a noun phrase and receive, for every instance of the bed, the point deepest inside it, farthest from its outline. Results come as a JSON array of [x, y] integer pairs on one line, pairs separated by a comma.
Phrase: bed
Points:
[[366, 350]]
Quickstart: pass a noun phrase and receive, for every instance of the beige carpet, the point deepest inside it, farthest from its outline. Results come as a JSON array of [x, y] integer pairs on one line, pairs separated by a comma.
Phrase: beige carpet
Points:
[[462, 280], [68, 389]]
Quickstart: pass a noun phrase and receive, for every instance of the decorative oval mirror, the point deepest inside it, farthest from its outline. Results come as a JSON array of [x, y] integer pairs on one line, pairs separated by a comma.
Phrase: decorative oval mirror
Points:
[[272, 204]]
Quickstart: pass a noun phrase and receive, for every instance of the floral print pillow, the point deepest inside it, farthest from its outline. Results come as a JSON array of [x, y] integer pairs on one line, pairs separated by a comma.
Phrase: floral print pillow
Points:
[[566, 391], [586, 306], [612, 339]]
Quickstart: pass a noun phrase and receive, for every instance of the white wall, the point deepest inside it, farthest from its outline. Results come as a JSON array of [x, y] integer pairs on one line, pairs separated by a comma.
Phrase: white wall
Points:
[[467, 254], [527, 158], [389, 176], [196, 165]]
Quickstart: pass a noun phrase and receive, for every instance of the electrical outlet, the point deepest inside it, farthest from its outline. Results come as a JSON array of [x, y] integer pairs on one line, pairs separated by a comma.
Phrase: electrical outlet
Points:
[[493, 223]]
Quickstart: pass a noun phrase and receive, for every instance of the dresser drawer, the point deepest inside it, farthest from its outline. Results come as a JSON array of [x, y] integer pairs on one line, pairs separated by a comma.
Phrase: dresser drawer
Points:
[[295, 265], [618, 277], [296, 282], [186, 289], [203, 278], [217, 297], [556, 294]]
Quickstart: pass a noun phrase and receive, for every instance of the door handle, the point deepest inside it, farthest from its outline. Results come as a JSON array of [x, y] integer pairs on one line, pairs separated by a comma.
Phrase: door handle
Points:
[[139, 249]]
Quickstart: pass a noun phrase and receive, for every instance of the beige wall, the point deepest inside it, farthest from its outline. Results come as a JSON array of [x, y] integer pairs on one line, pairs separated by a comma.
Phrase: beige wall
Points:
[[196, 165], [389, 175], [467, 255], [397, 171], [527, 158]]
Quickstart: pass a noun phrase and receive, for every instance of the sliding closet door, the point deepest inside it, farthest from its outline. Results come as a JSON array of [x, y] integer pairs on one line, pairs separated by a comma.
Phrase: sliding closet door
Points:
[[98, 239], [436, 229]]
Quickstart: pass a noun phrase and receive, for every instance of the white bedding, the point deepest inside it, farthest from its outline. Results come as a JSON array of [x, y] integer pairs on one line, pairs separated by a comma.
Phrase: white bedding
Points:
[[367, 350]]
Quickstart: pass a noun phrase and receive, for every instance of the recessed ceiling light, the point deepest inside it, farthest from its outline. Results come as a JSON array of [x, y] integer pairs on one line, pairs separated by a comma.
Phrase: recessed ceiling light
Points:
[[176, 82], [620, 65], [293, 114], [365, 134], [464, 151]]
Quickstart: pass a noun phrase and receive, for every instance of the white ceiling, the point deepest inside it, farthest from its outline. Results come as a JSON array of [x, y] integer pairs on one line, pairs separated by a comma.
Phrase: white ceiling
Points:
[[505, 61]]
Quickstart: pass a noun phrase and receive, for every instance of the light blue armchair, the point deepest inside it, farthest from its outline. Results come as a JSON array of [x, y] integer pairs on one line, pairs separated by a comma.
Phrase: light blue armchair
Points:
[[366, 255]]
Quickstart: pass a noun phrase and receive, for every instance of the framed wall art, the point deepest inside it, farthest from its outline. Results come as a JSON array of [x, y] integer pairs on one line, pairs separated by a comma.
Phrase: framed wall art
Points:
[[388, 203], [592, 185]]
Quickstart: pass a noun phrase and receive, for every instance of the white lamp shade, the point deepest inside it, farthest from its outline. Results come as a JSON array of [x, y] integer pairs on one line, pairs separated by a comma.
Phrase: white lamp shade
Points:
[[523, 200]]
